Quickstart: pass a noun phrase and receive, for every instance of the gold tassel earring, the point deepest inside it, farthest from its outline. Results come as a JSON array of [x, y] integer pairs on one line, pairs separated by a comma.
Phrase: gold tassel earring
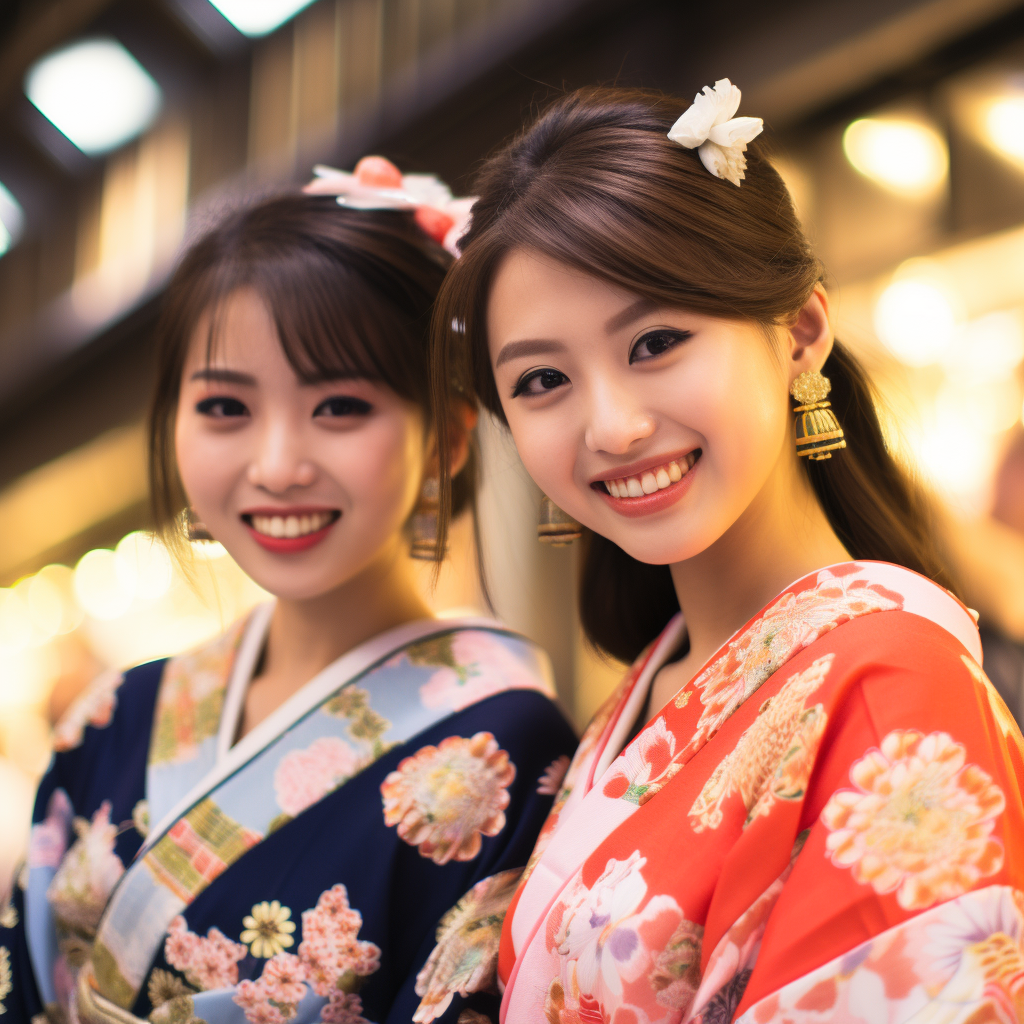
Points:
[[818, 433], [424, 522], [554, 526]]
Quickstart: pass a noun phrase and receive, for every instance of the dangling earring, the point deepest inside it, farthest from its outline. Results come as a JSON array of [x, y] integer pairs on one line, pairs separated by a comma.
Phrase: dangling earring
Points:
[[195, 528], [424, 522], [818, 433], [554, 526]]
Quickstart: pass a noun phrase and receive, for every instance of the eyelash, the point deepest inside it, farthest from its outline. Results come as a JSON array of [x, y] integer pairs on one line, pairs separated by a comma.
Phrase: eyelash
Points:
[[208, 406], [675, 338], [527, 378], [350, 406]]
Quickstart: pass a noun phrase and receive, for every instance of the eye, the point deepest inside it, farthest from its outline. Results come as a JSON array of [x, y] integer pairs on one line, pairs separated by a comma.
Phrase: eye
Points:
[[219, 407], [343, 405], [536, 382], [656, 343]]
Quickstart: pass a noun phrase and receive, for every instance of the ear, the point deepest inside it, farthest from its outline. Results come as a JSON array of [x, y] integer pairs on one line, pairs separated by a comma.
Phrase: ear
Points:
[[810, 335], [465, 420]]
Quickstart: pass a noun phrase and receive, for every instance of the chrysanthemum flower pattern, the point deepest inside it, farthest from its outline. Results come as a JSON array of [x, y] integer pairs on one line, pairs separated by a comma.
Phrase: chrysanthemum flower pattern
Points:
[[920, 821], [268, 930], [444, 798]]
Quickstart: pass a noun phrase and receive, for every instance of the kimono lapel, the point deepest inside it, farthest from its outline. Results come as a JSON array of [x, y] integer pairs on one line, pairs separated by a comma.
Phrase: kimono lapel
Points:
[[340, 722], [799, 616]]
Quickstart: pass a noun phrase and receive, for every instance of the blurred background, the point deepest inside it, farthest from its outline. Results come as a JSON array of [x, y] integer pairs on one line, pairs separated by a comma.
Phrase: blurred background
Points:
[[126, 126]]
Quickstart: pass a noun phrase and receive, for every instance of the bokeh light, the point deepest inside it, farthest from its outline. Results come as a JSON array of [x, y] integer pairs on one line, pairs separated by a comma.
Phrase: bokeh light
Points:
[[915, 319], [12, 219], [143, 566], [95, 92], [99, 585], [1004, 126], [259, 17], [907, 157]]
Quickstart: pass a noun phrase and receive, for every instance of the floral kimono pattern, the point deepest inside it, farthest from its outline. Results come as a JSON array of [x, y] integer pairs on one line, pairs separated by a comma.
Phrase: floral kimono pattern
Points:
[[300, 874], [825, 824]]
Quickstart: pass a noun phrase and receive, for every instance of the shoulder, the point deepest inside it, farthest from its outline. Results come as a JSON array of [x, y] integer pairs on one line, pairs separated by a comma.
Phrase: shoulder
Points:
[[112, 697], [472, 663]]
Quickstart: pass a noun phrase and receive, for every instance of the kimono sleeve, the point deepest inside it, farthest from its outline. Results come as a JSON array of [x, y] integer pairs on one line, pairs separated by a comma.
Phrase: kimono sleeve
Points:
[[454, 974], [904, 894], [78, 843]]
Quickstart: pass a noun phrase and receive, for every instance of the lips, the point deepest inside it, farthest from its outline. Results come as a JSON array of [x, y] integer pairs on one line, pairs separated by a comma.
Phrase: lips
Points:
[[290, 530], [653, 489]]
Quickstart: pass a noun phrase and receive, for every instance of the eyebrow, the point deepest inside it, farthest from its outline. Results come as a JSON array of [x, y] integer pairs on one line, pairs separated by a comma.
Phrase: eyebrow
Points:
[[210, 373], [633, 311], [529, 347]]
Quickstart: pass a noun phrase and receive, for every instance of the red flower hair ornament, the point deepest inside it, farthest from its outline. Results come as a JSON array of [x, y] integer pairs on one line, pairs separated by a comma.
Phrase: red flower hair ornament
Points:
[[377, 184]]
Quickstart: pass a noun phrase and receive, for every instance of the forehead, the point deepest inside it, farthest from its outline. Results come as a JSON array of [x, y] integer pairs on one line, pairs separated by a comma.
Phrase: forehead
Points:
[[529, 289], [237, 329]]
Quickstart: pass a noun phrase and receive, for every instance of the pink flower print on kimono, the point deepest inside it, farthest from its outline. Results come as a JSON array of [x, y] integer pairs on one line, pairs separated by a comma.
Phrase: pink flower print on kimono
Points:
[[86, 877], [344, 1008], [920, 821], [605, 944], [207, 963], [274, 997], [444, 798], [551, 781], [49, 838], [473, 665], [330, 948], [787, 626], [95, 707], [305, 776]]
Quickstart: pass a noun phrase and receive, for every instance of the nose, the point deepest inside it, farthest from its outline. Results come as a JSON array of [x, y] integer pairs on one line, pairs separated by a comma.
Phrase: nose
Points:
[[616, 419], [280, 461]]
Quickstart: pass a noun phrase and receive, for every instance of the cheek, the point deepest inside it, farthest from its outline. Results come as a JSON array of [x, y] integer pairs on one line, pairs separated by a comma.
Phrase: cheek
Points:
[[383, 467]]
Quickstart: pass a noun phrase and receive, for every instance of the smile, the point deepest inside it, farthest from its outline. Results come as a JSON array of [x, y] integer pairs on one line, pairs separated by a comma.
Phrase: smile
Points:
[[292, 530], [652, 480], [652, 490]]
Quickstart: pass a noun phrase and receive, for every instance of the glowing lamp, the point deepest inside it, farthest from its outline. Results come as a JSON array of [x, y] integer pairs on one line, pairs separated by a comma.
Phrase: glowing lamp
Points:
[[95, 92], [99, 586], [906, 157], [259, 17]]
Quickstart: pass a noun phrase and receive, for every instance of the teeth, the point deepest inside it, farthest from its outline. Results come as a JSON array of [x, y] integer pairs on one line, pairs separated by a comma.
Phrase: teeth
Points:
[[653, 480], [291, 526]]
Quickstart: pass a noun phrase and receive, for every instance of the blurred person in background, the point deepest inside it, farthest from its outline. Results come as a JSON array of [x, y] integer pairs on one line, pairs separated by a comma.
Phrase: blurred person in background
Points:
[[803, 802], [272, 827]]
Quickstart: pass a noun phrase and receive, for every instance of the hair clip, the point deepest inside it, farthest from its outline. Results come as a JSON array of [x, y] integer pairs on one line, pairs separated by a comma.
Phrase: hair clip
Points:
[[719, 138], [377, 184]]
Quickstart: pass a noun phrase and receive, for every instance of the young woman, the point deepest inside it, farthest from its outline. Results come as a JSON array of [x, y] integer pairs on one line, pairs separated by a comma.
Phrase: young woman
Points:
[[803, 803], [273, 827]]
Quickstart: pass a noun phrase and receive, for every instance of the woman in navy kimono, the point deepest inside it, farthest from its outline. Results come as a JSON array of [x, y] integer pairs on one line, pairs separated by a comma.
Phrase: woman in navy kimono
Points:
[[277, 827]]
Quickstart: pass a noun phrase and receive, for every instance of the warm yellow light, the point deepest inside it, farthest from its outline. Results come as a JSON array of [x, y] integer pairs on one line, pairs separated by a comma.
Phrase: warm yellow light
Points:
[[99, 587], [987, 350], [915, 320], [55, 581], [143, 566], [16, 630], [907, 157], [1004, 126]]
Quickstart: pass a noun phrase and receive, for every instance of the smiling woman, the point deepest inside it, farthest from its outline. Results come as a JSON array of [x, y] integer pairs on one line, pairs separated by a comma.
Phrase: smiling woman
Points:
[[805, 779], [274, 827]]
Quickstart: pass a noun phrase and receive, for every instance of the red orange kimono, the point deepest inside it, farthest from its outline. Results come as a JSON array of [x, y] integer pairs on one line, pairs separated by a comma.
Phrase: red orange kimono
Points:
[[825, 824]]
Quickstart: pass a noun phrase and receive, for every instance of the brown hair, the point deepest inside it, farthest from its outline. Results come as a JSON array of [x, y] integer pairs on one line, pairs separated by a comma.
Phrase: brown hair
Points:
[[596, 184], [350, 293]]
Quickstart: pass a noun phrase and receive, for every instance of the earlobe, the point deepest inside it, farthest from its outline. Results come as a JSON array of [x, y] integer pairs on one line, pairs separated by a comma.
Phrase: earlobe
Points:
[[810, 335]]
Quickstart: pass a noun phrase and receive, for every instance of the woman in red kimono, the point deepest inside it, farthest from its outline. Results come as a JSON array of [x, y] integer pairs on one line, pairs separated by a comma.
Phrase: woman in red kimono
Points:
[[803, 802]]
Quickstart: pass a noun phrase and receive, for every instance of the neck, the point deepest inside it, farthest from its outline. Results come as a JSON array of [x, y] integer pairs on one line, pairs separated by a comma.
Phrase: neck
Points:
[[782, 535], [306, 635]]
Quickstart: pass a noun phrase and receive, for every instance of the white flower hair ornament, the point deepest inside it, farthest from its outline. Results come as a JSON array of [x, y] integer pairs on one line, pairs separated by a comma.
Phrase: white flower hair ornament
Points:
[[719, 138], [377, 184]]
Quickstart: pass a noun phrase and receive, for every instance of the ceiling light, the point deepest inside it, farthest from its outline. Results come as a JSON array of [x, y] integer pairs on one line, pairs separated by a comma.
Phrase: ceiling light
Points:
[[95, 92], [907, 157], [259, 17], [1004, 126], [12, 220]]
